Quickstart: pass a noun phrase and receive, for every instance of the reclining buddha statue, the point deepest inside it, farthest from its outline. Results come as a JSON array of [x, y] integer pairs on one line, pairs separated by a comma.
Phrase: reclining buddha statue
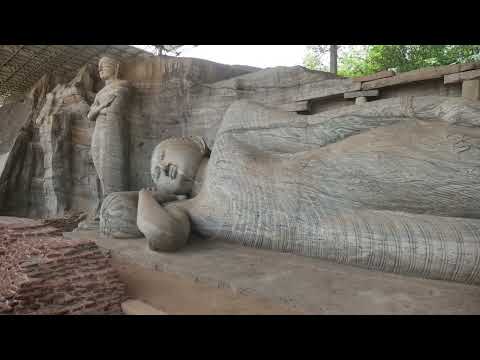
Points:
[[391, 185]]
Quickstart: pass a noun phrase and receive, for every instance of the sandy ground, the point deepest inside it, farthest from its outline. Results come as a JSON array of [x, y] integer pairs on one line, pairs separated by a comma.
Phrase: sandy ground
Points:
[[180, 296]]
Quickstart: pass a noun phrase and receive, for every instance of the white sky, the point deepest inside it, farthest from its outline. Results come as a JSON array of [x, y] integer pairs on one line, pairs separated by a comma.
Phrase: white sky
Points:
[[262, 56]]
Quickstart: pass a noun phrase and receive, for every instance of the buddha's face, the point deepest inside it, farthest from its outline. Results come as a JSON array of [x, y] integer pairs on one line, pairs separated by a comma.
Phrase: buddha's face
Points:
[[107, 70], [173, 168]]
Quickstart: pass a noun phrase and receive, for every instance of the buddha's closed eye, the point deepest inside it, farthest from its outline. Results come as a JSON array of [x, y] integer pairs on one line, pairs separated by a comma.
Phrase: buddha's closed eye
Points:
[[170, 170]]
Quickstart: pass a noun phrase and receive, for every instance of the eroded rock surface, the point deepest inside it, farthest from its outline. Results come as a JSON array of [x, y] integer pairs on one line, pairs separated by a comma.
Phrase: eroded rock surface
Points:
[[48, 169], [52, 171]]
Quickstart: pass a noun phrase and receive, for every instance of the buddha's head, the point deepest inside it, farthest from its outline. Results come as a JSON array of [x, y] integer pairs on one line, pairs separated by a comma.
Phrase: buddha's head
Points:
[[175, 162], [108, 68]]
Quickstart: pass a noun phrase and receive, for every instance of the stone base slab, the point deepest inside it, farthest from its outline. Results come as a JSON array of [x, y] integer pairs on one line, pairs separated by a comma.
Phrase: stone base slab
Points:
[[306, 285]]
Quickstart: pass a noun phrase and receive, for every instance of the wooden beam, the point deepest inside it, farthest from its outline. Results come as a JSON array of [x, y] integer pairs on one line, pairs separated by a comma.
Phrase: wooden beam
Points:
[[355, 94], [295, 106], [459, 77], [321, 89], [471, 89], [419, 75], [376, 76]]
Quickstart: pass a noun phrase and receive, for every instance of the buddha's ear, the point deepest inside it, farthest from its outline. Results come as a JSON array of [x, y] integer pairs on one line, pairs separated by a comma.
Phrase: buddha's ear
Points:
[[117, 70]]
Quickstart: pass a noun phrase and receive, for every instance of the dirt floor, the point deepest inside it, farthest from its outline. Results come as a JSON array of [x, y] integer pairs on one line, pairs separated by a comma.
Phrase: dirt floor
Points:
[[180, 296]]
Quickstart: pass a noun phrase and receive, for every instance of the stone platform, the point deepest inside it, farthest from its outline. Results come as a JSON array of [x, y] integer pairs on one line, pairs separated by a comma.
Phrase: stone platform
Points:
[[301, 284]]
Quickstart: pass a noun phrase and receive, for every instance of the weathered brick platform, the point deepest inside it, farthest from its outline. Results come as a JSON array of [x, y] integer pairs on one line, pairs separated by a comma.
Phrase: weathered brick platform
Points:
[[43, 273]]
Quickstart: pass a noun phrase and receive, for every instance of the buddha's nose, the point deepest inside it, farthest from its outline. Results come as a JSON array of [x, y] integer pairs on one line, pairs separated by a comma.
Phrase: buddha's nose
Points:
[[163, 167]]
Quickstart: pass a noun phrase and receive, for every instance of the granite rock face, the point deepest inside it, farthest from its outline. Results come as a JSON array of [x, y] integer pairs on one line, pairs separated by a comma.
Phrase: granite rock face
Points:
[[15, 136], [15, 178], [48, 167], [13, 116], [168, 97], [49, 170], [390, 185], [65, 138], [182, 102]]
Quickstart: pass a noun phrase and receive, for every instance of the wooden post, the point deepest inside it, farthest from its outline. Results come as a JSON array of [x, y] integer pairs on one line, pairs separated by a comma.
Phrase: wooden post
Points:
[[471, 89], [333, 59], [360, 100]]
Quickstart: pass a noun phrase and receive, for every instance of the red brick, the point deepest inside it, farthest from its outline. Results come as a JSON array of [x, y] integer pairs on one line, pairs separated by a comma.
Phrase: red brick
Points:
[[60, 277]]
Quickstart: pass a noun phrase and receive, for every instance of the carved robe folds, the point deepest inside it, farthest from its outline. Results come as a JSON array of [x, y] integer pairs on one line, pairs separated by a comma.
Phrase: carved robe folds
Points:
[[110, 137], [392, 185]]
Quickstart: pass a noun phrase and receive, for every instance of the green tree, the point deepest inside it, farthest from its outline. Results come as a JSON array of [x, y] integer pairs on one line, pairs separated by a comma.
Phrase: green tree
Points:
[[323, 57], [315, 57], [358, 61]]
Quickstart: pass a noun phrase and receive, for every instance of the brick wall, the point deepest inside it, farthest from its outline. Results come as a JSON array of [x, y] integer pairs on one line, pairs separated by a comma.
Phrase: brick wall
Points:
[[43, 273]]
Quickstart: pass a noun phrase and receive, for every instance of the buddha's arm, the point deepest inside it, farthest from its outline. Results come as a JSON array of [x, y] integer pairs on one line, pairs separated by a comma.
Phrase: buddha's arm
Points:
[[94, 110], [96, 107], [117, 101], [270, 129], [165, 230]]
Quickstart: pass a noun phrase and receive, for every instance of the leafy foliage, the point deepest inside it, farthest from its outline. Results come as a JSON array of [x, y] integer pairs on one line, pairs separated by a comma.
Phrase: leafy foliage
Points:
[[365, 60], [314, 57]]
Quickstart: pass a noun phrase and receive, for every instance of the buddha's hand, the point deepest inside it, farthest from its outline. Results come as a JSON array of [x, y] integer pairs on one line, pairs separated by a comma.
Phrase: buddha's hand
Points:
[[108, 102], [92, 114], [165, 229], [160, 196], [96, 108]]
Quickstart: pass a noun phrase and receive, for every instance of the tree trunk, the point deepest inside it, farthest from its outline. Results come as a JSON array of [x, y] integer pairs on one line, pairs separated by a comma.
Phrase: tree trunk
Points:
[[333, 59]]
